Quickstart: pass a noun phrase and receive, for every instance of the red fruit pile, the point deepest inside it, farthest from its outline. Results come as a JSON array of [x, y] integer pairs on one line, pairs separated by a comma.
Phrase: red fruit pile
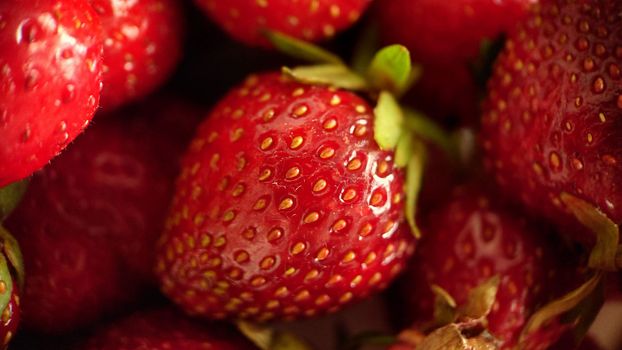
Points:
[[311, 185]]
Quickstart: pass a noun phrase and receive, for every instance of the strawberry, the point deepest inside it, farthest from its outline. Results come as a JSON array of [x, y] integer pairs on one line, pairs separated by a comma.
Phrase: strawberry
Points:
[[142, 45], [447, 48], [472, 238], [286, 207], [163, 329], [88, 222], [457, 37], [50, 77], [551, 117], [311, 20]]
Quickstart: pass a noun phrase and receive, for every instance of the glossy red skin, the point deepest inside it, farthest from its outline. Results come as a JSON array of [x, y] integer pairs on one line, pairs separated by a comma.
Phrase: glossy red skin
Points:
[[447, 90], [447, 32], [50, 76], [550, 137], [88, 223], [470, 239], [142, 45], [164, 329], [311, 20], [10, 318], [210, 265]]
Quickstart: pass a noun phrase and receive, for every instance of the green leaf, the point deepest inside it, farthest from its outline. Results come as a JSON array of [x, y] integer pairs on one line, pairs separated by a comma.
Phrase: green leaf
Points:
[[7, 280], [11, 249], [404, 149], [481, 299], [10, 197], [607, 233], [392, 70], [268, 338], [414, 175], [301, 49], [557, 308], [584, 314], [444, 306], [288, 341], [388, 120], [428, 130], [327, 74]]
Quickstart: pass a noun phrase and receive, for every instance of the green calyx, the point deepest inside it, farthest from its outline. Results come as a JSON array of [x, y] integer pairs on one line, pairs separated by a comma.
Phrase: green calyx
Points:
[[11, 260], [10, 197], [458, 327], [607, 233], [385, 75], [12, 252], [268, 338], [578, 308]]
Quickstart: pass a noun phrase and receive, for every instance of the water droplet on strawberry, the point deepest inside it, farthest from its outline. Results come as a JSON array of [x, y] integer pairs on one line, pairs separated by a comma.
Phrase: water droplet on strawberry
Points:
[[4, 117], [29, 31], [69, 93], [32, 79]]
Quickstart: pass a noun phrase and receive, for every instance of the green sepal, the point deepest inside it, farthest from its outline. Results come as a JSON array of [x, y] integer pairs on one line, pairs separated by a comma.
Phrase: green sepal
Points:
[[469, 335], [414, 176], [481, 299], [584, 314], [431, 132], [10, 196], [570, 304], [10, 248], [6, 280], [404, 149], [301, 49], [388, 121], [444, 306], [335, 75], [391, 69], [268, 338], [603, 255]]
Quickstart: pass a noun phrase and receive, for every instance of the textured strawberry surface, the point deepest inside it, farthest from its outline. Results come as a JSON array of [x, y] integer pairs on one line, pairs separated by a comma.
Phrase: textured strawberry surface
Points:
[[448, 32], [142, 45], [89, 222], [471, 238], [551, 121], [311, 20], [50, 78], [285, 207]]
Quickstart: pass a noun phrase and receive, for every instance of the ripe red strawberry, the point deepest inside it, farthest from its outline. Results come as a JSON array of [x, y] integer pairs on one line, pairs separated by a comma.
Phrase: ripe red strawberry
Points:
[[449, 32], [142, 45], [89, 221], [164, 329], [446, 48], [471, 239], [551, 121], [311, 20], [50, 77], [285, 207]]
